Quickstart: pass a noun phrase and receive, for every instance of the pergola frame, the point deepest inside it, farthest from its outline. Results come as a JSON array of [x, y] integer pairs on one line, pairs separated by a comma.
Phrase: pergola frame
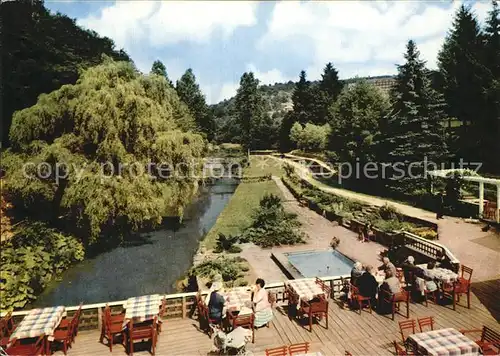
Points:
[[482, 181]]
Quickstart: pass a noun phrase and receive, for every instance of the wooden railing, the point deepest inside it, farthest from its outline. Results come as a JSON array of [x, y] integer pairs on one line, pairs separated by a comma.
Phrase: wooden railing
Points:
[[179, 305], [427, 248]]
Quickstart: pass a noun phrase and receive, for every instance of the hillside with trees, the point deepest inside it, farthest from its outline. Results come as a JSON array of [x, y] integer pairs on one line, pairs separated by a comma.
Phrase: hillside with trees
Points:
[[42, 51]]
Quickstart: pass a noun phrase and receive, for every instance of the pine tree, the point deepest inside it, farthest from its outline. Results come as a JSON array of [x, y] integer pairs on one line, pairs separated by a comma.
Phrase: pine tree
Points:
[[324, 95], [460, 63], [330, 83], [413, 132], [249, 107], [189, 92], [159, 68], [302, 99], [491, 125]]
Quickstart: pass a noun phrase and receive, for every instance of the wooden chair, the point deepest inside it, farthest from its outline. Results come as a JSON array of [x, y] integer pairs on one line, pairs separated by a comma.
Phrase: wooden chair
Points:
[[143, 332], [324, 287], [245, 321], [111, 328], [65, 323], [32, 349], [395, 300], [427, 321], [314, 309], [65, 336], [489, 341], [360, 300], [454, 290], [400, 351], [4, 334], [161, 314], [301, 348], [409, 325], [9, 323], [277, 351]]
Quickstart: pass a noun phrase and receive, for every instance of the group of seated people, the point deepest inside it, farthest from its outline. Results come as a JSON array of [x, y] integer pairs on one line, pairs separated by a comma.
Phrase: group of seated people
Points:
[[420, 279], [260, 303], [363, 277]]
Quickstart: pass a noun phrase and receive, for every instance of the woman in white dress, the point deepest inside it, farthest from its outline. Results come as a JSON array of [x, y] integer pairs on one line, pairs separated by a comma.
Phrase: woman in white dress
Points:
[[262, 307]]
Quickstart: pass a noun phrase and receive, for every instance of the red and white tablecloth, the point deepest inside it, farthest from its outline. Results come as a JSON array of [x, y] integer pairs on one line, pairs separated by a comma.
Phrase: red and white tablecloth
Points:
[[237, 298], [444, 342], [307, 288], [142, 308], [39, 322]]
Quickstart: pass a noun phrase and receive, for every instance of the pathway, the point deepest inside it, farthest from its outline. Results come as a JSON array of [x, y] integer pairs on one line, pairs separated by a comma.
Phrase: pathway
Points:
[[473, 247]]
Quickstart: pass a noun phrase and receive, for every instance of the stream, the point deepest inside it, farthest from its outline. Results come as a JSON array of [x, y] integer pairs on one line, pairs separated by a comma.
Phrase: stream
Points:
[[150, 267]]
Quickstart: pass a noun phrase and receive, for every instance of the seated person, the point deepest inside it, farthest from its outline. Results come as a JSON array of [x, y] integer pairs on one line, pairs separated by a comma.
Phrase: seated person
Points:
[[387, 265], [367, 284], [444, 262], [428, 276], [391, 283], [262, 307], [410, 270], [356, 272], [216, 303]]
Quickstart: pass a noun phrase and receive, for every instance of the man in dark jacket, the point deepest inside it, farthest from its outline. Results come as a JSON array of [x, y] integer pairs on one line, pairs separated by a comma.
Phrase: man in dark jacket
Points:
[[367, 285], [216, 304]]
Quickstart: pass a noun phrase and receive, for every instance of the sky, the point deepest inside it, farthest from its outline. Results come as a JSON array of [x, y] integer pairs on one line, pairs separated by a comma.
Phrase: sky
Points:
[[220, 40]]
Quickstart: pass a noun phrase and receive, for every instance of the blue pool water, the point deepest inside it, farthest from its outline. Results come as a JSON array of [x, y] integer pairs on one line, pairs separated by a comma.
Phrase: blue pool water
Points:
[[320, 263]]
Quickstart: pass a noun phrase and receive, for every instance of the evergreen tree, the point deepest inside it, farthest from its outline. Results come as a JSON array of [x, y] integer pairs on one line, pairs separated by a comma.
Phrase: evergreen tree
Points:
[[285, 144], [159, 68], [302, 99], [490, 131], [41, 52], [249, 107], [461, 65], [330, 83], [189, 92], [413, 132]]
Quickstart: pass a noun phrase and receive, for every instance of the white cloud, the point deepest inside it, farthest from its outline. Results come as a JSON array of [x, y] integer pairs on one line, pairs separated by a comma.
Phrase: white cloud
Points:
[[268, 77], [215, 93], [160, 23], [364, 32]]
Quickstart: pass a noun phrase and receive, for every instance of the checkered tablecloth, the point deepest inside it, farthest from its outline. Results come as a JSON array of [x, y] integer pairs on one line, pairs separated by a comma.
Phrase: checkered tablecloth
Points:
[[307, 289], [444, 342], [142, 308], [39, 322], [443, 274], [237, 298]]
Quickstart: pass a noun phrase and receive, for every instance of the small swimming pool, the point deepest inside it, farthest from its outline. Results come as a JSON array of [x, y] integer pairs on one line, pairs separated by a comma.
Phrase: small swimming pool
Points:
[[320, 263]]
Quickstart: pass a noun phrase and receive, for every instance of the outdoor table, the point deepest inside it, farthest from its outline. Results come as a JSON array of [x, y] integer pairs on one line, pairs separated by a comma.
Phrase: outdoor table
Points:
[[442, 342], [442, 274], [142, 308], [238, 299], [42, 321], [307, 289]]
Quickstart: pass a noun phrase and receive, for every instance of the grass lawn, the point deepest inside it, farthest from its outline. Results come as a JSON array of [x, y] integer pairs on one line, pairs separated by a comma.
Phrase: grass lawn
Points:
[[237, 215], [264, 165]]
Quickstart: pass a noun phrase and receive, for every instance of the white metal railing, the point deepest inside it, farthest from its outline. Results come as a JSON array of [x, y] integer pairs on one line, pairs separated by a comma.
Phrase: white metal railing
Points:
[[180, 296]]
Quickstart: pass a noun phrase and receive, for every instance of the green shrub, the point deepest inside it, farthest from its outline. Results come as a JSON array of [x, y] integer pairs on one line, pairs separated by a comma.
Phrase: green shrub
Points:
[[30, 259], [234, 249], [225, 243], [229, 269], [388, 212], [273, 226]]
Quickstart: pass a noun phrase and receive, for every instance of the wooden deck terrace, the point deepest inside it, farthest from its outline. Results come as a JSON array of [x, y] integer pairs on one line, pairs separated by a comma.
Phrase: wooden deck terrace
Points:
[[365, 334]]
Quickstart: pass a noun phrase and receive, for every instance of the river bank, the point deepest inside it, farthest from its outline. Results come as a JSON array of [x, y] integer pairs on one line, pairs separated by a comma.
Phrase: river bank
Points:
[[151, 266]]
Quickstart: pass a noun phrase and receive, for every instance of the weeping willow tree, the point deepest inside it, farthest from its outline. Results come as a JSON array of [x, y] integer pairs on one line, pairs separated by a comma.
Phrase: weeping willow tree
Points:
[[103, 156]]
